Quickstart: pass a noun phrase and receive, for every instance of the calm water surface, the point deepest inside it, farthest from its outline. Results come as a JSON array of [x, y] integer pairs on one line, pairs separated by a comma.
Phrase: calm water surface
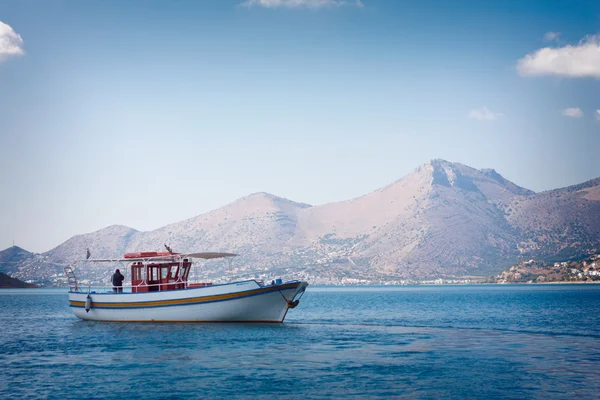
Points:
[[527, 341]]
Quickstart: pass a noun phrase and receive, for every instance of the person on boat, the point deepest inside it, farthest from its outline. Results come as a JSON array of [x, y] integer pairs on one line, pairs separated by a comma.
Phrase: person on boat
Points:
[[117, 281]]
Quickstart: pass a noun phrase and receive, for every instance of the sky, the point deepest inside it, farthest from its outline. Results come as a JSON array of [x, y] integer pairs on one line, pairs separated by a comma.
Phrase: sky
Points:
[[146, 112]]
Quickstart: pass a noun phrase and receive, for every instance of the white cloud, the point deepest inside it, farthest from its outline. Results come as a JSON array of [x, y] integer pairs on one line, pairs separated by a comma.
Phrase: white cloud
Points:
[[572, 112], [598, 114], [551, 36], [11, 43], [301, 3], [483, 114], [581, 60]]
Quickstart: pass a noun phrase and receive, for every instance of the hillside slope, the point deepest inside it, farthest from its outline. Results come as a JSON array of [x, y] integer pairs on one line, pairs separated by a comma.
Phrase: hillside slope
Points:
[[442, 220], [13, 257]]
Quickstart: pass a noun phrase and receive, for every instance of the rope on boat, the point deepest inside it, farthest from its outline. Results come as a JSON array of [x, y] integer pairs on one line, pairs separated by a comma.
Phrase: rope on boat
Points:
[[295, 303], [285, 298], [290, 303]]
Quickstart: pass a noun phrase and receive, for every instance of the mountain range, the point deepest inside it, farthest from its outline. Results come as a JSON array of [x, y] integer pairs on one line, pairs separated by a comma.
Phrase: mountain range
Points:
[[443, 220]]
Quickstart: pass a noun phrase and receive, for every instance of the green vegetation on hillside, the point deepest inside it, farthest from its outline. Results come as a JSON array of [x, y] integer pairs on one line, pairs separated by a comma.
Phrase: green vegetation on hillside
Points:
[[6, 282]]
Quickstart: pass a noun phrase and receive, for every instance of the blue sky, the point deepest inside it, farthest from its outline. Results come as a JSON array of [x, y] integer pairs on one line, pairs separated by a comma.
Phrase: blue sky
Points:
[[147, 112]]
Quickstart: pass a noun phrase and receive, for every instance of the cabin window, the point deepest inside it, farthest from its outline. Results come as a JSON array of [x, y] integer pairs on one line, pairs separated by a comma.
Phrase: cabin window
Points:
[[152, 274], [173, 271]]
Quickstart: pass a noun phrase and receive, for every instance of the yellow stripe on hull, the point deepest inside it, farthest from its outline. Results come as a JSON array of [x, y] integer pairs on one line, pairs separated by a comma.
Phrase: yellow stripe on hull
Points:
[[198, 321], [192, 300]]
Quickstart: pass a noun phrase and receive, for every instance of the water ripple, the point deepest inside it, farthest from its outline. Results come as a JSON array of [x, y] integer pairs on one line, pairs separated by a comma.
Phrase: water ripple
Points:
[[482, 342]]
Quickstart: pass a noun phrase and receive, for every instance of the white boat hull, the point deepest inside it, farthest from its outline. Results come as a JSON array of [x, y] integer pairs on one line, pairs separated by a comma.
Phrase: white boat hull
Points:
[[236, 302]]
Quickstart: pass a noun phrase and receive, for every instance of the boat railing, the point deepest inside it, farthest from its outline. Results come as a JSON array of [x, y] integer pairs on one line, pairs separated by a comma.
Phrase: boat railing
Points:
[[82, 288]]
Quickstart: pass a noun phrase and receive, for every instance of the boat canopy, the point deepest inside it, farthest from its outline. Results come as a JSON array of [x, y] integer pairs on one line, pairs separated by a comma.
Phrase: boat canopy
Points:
[[172, 257], [208, 256]]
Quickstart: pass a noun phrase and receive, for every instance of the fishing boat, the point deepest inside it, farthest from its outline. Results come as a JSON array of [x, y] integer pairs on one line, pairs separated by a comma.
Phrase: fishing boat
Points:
[[161, 292]]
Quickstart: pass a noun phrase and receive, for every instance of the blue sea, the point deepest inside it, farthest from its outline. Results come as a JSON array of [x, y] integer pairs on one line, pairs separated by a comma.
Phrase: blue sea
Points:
[[413, 342]]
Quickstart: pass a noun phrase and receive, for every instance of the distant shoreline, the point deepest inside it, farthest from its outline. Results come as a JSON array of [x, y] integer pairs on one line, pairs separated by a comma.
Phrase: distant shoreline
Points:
[[386, 285], [549, 283], [13, 287]]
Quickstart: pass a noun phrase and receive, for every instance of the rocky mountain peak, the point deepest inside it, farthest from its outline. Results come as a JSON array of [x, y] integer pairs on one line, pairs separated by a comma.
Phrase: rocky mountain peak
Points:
[[505, 183], [449, 174], [271, 198], [116, 228], [12, 257], [12, 253]]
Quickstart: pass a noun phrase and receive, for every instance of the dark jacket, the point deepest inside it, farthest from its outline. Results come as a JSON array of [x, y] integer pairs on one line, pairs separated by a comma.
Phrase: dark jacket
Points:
[[117, 279]]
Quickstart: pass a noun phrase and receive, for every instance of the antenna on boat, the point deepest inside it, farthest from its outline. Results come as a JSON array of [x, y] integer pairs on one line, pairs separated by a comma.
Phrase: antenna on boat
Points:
[[168, 249]]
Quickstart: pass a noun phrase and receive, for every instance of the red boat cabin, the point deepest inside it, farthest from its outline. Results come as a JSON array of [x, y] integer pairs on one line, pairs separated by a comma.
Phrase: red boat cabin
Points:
[[160, 275]]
